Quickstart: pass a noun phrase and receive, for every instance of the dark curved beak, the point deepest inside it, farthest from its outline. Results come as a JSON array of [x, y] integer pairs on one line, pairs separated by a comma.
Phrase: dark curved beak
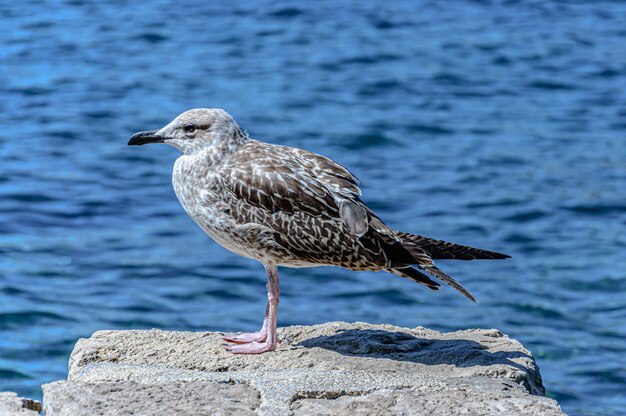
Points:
[[145, 137]]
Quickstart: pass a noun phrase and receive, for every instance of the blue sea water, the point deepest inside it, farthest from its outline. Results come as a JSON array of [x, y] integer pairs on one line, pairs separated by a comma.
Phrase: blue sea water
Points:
[[499, 124]]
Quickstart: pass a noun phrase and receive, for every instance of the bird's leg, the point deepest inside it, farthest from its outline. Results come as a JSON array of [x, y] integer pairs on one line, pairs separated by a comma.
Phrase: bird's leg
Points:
[[270, 341], [246, 337]]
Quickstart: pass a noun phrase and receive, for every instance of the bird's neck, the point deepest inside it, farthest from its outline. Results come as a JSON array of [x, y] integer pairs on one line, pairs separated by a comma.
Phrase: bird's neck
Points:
[[220, 149]]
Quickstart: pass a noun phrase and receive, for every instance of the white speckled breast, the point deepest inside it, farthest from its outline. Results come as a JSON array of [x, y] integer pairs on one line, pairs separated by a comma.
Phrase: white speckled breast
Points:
[[198, 190]]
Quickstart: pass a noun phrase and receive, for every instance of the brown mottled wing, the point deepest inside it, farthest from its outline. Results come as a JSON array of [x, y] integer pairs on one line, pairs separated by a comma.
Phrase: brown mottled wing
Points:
[[267, 176], [313, 204], [339, 181], [328, 172]]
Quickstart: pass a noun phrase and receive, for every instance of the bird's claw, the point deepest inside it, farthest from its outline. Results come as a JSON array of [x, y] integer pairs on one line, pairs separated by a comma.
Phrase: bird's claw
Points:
[[246, 337], [252, 347]]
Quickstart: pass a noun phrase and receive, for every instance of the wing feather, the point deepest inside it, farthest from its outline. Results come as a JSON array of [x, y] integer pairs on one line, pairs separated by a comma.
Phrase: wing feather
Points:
[[314, 206], [278, 178]]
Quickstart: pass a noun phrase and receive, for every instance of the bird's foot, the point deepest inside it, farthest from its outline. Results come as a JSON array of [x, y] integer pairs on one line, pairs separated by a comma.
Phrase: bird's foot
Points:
[[246, 337], [252, 347]]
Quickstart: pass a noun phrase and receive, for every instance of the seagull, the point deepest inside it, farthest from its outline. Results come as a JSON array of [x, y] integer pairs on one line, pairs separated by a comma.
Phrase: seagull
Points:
[[289, 207]]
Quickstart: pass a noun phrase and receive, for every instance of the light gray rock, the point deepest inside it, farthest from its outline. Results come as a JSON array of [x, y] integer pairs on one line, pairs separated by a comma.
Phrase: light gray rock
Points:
[[411, 402], [331, 346], [11, 405], [331, 368], [128, 398]]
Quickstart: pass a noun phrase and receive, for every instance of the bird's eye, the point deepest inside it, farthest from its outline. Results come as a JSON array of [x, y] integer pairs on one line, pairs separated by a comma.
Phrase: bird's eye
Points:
[[189, 128]]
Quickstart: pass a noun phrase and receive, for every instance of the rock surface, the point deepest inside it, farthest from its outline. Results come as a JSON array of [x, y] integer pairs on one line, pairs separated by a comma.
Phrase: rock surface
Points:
[[411, 402], [11, 405], [128, 398], [334, 368]]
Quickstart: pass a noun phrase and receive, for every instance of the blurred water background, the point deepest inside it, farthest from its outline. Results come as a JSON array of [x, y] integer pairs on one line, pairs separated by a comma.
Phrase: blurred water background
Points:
[[495, 124]]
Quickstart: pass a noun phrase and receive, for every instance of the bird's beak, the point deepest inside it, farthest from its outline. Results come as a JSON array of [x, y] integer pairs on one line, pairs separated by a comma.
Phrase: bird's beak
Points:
[[145, 137]]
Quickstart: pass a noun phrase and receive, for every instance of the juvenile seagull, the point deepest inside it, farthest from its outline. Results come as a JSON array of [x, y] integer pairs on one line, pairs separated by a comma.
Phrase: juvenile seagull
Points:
[[288, 207]]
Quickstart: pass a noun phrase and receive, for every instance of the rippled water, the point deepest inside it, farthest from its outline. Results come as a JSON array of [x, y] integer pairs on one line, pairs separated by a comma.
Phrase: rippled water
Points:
[[496, 124]]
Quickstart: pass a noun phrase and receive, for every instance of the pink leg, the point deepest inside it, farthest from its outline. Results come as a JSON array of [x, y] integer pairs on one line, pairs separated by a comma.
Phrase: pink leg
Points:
[[269, 325]]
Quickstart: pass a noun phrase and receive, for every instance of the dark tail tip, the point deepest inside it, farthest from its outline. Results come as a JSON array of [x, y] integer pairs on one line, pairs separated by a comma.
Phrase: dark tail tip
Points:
[[450, 281]]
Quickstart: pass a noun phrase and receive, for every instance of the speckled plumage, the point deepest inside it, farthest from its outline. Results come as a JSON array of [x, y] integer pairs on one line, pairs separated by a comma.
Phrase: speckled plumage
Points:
[[289, 207], [281, 206]]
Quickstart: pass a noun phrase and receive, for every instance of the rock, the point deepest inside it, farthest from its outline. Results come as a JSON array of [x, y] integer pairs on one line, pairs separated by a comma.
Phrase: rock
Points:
[[323, 369], [128, 398], [11, 405], [410, 402]]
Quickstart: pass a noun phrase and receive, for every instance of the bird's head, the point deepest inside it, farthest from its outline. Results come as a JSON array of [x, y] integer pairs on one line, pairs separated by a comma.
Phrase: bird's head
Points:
[[194, 130]]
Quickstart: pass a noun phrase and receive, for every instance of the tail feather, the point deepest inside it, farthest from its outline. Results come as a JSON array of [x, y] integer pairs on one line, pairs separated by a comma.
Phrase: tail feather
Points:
[[420, 251], [450, 281], [412, 274], [438, 249]]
